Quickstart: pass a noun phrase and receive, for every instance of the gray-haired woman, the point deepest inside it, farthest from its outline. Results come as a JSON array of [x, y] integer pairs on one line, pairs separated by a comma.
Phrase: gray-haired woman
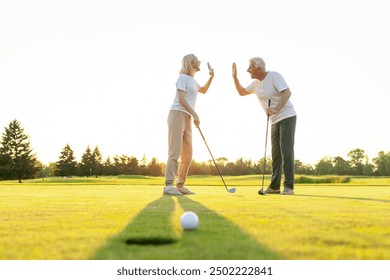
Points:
[[179, 125]]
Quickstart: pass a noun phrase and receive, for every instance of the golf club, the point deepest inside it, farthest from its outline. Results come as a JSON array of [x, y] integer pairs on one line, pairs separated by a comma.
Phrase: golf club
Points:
[[232, 190], [261, 192]]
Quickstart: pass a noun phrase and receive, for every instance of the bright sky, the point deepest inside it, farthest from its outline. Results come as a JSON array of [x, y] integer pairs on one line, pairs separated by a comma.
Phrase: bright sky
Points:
[[104, 72]]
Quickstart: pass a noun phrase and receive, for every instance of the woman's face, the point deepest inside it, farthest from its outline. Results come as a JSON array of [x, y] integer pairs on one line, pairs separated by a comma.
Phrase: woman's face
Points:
[[196, 64]]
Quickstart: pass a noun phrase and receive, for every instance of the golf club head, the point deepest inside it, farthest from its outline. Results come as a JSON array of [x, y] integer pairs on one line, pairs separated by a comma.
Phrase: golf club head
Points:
[[232, 190], [261, 192]]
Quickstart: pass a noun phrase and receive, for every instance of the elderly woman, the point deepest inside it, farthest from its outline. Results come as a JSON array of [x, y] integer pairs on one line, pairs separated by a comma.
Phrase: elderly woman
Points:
[[179, 125], [270, 85]]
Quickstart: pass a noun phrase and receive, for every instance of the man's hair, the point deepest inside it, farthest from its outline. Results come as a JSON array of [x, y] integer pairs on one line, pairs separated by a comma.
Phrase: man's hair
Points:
[[258, 62], [186, 66]]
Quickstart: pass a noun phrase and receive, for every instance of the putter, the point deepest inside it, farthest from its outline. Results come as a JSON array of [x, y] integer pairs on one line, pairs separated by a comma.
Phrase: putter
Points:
[[232, 190], [261, 192]]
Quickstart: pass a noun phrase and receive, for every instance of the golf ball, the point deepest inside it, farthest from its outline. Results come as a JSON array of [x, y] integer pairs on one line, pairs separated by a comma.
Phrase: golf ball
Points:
[[189, 220]]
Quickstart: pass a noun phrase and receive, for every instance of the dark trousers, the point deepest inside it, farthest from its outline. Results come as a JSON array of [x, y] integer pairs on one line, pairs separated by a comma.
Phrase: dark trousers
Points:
[[282, 139]]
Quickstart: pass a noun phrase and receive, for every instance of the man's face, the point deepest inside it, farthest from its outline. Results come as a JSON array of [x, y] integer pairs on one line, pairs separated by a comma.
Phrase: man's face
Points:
[[255, 72]]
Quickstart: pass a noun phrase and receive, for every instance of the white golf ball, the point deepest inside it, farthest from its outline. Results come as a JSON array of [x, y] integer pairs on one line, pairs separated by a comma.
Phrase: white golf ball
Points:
[[189, 220]]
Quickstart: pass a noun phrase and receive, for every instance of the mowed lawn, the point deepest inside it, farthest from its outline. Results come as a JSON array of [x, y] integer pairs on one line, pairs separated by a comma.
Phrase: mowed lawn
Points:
[[128, 218]]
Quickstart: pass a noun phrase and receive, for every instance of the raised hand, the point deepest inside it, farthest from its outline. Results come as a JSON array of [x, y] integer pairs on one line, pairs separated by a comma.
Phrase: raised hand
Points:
[[211, 70], [234, 70]]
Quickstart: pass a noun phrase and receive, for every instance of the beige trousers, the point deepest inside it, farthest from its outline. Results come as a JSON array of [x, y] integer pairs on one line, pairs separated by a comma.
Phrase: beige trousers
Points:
[[179, 146]]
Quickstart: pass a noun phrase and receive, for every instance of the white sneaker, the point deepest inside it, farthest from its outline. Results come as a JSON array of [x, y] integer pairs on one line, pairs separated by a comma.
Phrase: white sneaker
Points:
[[271, 191], [184, 190], [288, 191], [170, 190]]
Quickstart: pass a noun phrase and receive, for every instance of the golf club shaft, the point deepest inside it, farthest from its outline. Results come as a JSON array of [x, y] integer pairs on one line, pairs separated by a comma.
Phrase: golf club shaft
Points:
[[219, 172], [265, 148]]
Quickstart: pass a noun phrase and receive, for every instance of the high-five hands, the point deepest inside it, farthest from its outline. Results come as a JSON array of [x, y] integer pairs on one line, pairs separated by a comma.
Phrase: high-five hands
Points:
[[211, 70], [234, 70]]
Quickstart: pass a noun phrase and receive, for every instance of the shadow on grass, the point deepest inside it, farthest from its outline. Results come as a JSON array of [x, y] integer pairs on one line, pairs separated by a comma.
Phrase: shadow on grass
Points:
[[345, 197], [155, 234]]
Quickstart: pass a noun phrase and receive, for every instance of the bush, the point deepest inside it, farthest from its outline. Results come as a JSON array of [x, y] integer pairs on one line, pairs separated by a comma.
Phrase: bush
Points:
[[301, 179]]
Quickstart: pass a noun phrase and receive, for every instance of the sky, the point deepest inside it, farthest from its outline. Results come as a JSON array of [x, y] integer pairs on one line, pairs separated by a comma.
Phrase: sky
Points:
[[104, 72]]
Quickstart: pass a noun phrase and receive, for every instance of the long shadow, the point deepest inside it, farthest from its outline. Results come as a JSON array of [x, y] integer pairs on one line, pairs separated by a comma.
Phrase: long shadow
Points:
[[346, 198], [151, 227], [151, 235], [220, 238]]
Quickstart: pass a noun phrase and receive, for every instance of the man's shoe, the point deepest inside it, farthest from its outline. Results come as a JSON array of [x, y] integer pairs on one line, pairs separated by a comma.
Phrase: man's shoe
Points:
[[271, 191], [184, 190], [170, 190], [288, 191]]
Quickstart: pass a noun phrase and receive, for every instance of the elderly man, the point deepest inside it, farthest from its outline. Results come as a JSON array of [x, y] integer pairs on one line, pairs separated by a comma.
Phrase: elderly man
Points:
[[270, 85]]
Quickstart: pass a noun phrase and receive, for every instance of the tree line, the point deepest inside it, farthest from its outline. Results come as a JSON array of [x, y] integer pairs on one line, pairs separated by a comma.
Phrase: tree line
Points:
[[92, 164], [17, 161], [357, 164]]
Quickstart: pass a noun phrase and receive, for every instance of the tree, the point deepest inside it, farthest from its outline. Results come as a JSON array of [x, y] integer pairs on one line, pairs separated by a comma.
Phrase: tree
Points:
[[108, 167], [154, 168], [97, 162], [324, 166], [132, 166], [240, 167], [16, 158], [341, 166], [142, 166], [221, 161], [357, 157], [5, 166], [118, 165], [67, 164], [382, 164], [127, 165], [199, 168], [368, 168], [301, 168], [86, 164], [260, 166], [53, 168], [44, 172]]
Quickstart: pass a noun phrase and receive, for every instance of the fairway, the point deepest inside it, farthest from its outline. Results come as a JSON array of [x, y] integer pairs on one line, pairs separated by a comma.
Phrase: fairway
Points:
[[128, 218]]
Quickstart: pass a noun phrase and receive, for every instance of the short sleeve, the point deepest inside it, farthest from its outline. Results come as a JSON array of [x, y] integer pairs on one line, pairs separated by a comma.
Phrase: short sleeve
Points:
[[279, 82], [181, 83]]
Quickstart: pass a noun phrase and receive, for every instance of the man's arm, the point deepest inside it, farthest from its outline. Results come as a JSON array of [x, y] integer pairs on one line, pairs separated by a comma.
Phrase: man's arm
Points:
[[241, 90], [285, 97]]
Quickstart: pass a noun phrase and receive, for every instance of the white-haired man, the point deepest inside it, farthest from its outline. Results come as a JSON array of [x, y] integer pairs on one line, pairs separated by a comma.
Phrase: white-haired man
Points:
[[270, 85]]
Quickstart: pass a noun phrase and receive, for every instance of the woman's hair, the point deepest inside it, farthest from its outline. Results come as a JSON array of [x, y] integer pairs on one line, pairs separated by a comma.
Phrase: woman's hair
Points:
[[258, 62], [186, 66]]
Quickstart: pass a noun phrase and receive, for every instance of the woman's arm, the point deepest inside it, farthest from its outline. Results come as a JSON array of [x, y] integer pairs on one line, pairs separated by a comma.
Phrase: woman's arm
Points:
[[187, 106], [207, 85]]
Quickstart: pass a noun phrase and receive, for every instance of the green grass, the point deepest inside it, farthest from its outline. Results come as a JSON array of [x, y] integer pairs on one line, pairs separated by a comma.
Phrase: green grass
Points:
[[127, 218]]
